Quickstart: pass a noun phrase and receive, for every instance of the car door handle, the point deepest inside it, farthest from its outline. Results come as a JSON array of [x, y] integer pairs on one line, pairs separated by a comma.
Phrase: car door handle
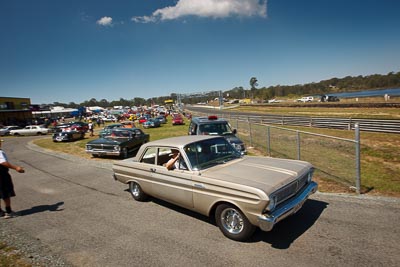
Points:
[[153, 169], [199, 186]]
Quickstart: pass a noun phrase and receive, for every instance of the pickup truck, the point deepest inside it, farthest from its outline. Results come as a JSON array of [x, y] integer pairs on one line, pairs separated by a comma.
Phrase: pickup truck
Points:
[[30, 130]]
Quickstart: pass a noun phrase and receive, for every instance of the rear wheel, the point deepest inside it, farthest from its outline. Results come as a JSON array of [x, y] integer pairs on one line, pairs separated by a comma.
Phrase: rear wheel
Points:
[[137, 192], [233, 223]]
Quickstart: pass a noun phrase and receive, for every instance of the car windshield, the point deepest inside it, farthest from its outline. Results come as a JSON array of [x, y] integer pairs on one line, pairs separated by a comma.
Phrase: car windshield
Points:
[[215, 129], [118, 134], [208, 153]]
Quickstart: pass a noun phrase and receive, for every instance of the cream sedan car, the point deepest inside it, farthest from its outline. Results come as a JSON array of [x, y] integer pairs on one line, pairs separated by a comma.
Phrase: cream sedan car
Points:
[[30, 130], [211, 177]]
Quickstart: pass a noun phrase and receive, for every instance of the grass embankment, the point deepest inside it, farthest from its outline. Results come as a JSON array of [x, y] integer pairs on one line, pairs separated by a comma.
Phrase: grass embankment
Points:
[[380, 156], [9, 256]]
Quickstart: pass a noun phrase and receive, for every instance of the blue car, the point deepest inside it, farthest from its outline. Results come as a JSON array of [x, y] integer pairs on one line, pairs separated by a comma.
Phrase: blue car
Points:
[[152, 123]]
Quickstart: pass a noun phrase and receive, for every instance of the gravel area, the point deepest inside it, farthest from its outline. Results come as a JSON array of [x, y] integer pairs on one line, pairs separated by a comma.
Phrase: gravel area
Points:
[[30, 249]]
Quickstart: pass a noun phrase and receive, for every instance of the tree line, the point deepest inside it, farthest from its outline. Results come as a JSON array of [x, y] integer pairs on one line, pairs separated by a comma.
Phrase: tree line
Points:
[[333, 85]]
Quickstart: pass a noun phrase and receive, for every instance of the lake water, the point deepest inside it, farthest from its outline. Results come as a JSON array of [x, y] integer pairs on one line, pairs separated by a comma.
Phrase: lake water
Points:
[[367, 93]]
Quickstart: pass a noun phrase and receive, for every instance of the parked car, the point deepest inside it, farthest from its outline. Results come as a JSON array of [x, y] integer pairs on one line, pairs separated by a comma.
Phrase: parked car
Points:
[[329, 98], [151, 123], [177, 119], [142, 119], [162, 119], [30, 130], [212, 178], [305, 99], [80, 126], [212, 125], [68, 135], [6, 129], [109, 119], [120, 142]]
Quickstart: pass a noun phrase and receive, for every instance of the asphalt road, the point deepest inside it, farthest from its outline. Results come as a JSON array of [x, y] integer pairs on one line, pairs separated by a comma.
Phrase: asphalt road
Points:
[[75, 207]]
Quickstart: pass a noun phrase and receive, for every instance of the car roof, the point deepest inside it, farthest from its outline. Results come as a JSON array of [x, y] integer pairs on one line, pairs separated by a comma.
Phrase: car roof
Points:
[[180, 141], [124, 129], [207, 120]]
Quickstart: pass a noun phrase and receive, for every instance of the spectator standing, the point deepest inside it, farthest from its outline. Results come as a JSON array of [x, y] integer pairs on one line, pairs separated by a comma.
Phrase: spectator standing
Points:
[[91, 127], [6, 184]]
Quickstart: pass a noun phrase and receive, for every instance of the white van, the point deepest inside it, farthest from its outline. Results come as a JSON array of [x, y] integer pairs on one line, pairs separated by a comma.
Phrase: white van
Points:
[[306, 99]]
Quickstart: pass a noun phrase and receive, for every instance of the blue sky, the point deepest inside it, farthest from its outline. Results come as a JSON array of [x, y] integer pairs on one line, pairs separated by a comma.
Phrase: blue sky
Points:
[[75, 50]]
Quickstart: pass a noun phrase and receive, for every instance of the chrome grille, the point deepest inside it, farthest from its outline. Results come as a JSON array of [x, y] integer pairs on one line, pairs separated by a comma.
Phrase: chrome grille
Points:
[[291, 189]]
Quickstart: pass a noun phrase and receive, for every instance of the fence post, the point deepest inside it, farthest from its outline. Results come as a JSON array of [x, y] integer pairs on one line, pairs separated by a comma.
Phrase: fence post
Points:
[[251, 137], [358, 165], [268, 141], [298, 145], [349, 125]]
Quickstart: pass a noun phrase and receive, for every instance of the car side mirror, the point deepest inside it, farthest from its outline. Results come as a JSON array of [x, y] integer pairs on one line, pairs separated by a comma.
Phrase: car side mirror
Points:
[[234, 131]]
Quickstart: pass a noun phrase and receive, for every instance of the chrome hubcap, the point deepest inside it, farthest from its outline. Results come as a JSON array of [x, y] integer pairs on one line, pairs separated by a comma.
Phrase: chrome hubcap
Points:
[[232, 221], [135, 189]]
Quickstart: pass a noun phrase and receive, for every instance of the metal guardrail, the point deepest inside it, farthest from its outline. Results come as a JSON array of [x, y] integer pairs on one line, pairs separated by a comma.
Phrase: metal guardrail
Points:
[[370, 125]]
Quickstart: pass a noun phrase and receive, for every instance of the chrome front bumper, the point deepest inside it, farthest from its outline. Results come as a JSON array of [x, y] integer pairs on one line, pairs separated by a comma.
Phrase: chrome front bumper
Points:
[[103, 152], [267, 221]]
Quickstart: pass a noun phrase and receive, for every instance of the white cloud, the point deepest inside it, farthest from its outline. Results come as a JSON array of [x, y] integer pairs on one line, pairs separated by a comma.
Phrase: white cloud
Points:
[[105, 21], [208, 8]]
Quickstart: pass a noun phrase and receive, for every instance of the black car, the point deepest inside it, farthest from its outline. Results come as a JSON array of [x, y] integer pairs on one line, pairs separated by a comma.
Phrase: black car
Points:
[[65, 136], [329, 98], [120, 142], [212, 125]]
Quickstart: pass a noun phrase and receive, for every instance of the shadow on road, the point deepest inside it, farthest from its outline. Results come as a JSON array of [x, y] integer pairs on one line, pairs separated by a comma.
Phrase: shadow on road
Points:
[[287, 231], [41, 208], [283, 234]]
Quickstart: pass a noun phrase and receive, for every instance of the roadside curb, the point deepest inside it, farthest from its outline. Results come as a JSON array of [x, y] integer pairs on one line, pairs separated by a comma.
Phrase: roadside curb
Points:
[[103, 165]]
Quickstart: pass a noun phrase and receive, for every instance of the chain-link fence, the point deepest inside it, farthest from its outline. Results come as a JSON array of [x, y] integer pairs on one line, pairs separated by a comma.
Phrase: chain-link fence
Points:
[[334, 158]]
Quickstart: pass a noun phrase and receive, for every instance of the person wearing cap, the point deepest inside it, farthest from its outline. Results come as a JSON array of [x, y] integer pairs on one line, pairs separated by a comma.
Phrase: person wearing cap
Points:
[[6, 184]]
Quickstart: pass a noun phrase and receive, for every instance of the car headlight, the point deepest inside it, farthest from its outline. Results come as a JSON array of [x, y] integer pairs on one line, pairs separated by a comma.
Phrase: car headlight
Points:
[[237, 146], [272, 203], [117, 148], [88, 147], [310, 175]]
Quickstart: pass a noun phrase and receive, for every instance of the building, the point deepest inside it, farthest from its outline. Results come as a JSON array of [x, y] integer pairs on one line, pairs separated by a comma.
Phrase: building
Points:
[[15, 111]]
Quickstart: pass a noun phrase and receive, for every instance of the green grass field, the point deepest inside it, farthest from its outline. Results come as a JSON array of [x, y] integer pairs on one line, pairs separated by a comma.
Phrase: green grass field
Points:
[[380, 156]]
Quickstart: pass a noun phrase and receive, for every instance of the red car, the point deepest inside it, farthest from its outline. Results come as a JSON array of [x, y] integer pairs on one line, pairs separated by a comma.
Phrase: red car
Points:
[[142, 119], [177, 120]]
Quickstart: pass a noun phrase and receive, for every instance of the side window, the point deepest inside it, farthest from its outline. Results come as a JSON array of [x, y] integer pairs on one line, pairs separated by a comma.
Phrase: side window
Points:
[[149, 156], [163, 155]]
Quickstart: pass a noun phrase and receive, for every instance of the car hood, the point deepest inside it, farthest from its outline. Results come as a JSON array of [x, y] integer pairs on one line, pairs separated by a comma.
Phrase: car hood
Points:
[[267, 174], [233, 139]]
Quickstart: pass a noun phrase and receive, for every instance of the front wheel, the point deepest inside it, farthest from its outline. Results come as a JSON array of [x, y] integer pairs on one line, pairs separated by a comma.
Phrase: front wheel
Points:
[[124, 153], [137, 192], [233, 223]]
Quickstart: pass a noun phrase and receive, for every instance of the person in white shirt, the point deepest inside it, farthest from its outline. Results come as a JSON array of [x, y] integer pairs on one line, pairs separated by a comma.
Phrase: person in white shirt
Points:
[[6, 184]]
